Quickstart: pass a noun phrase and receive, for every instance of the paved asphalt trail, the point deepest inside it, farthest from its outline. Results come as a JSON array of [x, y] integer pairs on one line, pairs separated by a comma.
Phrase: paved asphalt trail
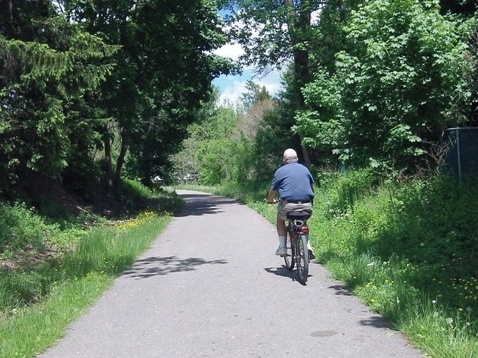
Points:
[[211, 286]]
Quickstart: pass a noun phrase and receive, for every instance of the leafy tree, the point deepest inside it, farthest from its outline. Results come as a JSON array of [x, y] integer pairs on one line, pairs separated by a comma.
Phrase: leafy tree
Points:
[[164, 71], [322, 96], [322, 125], [215, 151], [221, 147], [272, 122], [18, 17], [49, 69], [254, 93], [213, 122], [401, 81], [329, 34], [277, 34], [217, 160]]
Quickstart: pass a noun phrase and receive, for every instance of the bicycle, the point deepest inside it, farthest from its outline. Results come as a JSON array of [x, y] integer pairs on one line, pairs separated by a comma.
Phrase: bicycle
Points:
[[296, 244]]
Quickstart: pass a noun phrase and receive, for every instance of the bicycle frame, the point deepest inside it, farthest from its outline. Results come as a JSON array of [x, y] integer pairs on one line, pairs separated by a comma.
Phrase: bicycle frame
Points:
[[298, 237]]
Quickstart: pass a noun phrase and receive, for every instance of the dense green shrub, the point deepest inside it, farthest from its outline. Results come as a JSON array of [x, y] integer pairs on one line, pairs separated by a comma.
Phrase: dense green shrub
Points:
[[344, 189], [433, 220], [421, 233], [21, 229]]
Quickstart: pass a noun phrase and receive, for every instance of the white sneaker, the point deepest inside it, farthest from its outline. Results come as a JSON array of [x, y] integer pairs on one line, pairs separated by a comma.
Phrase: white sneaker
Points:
[[281, 251]]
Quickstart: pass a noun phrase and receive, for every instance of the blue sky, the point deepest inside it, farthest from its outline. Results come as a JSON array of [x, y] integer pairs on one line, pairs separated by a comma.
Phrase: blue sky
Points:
[[231, 87]]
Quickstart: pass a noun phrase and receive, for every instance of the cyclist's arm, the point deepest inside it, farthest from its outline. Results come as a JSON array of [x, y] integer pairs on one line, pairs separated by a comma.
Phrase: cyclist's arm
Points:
[[271, 199]]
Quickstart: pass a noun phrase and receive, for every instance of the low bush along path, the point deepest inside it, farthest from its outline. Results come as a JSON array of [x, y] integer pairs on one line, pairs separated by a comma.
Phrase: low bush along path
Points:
[[211, 286]]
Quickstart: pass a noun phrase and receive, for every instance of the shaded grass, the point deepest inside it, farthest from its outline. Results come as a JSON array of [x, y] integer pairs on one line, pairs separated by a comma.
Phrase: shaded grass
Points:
[[54, 269], [68, 285]]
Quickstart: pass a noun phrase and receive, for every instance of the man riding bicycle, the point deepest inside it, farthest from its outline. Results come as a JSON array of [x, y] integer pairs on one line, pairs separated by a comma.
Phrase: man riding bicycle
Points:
[[295, 185]]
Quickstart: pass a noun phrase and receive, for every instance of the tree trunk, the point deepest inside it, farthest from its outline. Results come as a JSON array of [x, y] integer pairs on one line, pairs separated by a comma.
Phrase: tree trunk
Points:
[[121, 157], [299, 24], [109, 169]]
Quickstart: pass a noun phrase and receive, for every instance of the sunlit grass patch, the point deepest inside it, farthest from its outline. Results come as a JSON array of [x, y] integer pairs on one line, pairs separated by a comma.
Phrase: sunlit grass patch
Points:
[[440, 331], [26, 331]]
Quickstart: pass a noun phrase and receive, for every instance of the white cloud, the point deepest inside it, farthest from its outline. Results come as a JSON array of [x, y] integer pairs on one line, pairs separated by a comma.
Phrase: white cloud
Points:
[[232, 90], [232, 87], [232, 51]]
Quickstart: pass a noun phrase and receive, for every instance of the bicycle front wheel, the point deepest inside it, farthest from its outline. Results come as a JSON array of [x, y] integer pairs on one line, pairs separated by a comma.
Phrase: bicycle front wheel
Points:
[[289, 258], [302, 259]]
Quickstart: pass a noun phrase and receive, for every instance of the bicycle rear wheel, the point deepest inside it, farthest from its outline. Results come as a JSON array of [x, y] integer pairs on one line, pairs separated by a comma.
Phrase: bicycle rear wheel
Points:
[[302, 259], [289, 258]]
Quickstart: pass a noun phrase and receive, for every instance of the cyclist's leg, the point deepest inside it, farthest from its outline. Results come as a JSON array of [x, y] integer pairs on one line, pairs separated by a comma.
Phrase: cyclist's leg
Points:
[[289, 259], [281, 229]]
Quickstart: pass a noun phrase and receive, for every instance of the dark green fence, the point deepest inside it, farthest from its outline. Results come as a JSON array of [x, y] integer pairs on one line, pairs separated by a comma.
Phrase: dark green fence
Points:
[[462, 154]]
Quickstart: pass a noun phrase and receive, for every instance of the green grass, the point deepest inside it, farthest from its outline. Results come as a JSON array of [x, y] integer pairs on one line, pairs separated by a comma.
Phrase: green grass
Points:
[[409, 251], [30, 330], [41, 294], [64, 288]]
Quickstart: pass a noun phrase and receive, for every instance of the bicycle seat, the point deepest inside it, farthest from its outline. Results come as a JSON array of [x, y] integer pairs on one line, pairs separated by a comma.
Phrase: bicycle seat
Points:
[[298, 215]]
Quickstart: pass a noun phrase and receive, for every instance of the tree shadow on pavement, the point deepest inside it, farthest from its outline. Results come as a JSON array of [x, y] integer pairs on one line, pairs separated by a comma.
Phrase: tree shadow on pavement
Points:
[[378, 322], [341, 290], [201, 204], [160, 266], [374, 321]]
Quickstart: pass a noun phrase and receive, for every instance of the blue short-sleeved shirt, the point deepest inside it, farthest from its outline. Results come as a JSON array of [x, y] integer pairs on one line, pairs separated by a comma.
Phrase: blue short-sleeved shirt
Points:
[[293, 182]]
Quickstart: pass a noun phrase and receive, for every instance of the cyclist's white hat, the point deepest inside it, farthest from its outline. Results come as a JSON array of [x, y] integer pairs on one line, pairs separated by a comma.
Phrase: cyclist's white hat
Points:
[[290, 156]]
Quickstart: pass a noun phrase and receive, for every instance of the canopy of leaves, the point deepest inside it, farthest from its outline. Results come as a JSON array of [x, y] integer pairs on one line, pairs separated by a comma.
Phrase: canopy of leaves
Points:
[[270, 31], [80, 77], [398, 85], [165, 71], [44, 84]]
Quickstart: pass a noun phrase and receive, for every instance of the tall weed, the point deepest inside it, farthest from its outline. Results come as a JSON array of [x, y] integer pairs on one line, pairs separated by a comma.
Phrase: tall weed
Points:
[[345, 189]]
